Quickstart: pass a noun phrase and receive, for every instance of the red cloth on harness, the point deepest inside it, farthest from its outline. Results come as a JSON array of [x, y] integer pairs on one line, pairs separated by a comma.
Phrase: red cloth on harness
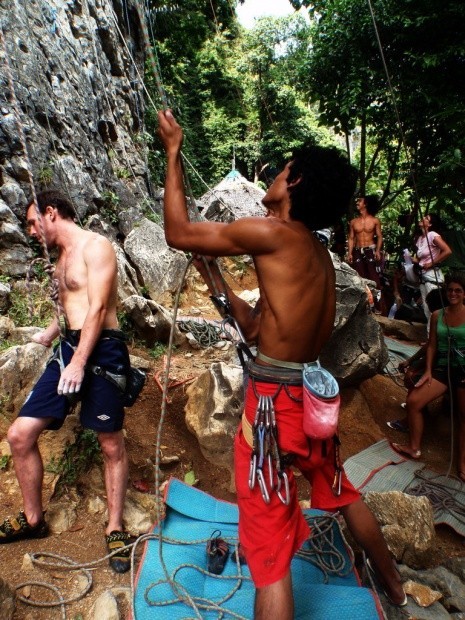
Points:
[[271, 533]]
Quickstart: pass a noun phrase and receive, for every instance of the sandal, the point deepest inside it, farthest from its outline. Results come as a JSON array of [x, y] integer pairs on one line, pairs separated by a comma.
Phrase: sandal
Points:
[[217, 553], [120, 562], [13, 529], [377, 581], [404, 451], [398, 425]]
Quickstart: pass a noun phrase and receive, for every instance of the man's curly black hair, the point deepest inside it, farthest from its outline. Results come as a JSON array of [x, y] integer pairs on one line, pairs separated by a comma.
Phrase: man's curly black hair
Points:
[[326, 187]]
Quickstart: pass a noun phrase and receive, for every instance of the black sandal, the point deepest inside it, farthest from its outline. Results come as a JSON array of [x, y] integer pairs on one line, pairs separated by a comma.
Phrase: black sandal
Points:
[[217, 553]]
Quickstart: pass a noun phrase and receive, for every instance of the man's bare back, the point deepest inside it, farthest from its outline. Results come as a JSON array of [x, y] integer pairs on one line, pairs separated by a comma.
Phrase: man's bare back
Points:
[[297, 293]]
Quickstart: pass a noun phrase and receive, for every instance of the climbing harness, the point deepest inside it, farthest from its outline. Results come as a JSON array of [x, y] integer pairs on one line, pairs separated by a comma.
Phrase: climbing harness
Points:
[[267, 463]]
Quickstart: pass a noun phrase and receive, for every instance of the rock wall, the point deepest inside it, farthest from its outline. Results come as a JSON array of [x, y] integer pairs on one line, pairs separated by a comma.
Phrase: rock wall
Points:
[[81, 112]]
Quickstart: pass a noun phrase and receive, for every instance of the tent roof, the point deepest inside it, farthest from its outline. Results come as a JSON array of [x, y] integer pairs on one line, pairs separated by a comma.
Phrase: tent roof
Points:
[[232, 198]]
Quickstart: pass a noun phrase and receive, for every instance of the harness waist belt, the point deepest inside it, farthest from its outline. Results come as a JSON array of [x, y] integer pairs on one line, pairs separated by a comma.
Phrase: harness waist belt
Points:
[[271, 374], [73, 335], [367, 247], [280, 363]]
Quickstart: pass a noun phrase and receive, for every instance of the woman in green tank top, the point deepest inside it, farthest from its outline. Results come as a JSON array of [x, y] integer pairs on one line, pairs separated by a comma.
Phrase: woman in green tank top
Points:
[[445, 361]]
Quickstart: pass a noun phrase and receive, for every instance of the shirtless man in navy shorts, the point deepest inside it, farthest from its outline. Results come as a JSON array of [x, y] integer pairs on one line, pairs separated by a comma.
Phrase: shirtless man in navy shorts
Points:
[[86, 272]]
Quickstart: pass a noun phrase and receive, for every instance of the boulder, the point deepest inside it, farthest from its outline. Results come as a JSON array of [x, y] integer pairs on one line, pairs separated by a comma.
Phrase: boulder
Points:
[[152, 321], [406, 522], [20, 367], [356, 348], [214, 406], [160, 267]]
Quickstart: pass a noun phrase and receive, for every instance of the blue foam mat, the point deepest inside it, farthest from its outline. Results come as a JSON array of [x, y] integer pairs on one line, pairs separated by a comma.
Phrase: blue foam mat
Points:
[[193, 516]]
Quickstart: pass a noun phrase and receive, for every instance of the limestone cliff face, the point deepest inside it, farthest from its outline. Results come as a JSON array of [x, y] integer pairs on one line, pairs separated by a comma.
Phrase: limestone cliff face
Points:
[[74, 66]]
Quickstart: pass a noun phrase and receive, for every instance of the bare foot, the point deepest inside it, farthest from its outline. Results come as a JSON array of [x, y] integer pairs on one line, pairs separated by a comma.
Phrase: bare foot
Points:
[[407, 451]]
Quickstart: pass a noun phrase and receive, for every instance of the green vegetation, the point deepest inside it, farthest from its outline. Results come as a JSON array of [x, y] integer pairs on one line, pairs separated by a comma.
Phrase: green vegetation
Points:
[[38, 299], [257, 94], [5, 461], [77, 459], [45, 175], [110, 206], [158, 350]]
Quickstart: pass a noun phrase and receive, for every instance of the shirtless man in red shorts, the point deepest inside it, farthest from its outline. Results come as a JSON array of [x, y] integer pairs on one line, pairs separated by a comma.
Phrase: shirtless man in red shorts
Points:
[[292, 322]]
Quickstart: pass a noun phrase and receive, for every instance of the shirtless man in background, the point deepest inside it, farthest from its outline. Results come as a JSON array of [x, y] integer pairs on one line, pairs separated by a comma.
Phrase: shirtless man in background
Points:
[[86, 272], [291, 323], [366, 240]]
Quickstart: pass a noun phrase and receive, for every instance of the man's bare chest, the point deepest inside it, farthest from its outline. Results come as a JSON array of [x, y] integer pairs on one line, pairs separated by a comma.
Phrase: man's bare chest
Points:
[[71, 273], [364, 225]]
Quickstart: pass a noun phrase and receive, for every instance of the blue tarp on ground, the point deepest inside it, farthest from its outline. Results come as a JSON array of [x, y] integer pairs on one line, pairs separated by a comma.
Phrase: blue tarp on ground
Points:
[[193, 516]]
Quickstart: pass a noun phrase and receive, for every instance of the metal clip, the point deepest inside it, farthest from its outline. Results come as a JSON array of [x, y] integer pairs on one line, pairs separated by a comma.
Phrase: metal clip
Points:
[[337, 483], [262, 485], [252, 470], [287, 498]]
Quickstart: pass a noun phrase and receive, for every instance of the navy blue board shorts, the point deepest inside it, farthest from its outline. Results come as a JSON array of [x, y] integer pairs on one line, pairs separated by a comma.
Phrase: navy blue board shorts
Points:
[[102, 407]]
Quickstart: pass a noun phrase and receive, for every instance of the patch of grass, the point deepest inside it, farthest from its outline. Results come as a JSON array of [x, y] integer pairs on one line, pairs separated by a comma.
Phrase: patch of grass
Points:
[[40, 301], [126, 325], [158, 350], [77, 459], [110, 206], [122, 173], [156, 218], [5, 344], [45, 175], [5, 461]]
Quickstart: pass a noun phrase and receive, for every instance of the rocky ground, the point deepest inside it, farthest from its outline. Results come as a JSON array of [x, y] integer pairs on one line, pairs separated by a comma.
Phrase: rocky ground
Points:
[[363, 422]]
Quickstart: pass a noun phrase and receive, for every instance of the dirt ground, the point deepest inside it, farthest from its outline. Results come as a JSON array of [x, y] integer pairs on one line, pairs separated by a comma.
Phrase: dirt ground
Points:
[[361, 426]]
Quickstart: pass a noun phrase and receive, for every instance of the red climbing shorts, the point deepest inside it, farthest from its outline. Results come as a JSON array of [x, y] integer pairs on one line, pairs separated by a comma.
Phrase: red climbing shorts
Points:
[[270, 534]]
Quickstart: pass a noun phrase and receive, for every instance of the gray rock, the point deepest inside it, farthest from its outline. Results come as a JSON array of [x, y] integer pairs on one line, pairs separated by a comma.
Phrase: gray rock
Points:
[[105, 607], [160, 267], [140, 512], [456, 565], [7, 601], [455, 603], [61, 516], [406, 522], [213, 409], [5, 291], [356, 349], [20, 367], [152, 321]]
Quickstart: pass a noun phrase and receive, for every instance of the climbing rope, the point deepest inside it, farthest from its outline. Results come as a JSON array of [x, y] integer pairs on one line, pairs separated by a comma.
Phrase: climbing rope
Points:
[[321, 547], [441, 496], [204, 332]]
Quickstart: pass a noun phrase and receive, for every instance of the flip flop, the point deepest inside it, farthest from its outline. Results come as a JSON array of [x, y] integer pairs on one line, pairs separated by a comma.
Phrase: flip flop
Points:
[[398, 425], [217, 553], [376, 580], [401, 450]]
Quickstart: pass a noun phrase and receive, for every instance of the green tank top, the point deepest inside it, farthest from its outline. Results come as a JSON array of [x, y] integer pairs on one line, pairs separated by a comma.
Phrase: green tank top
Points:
[[457, 355]]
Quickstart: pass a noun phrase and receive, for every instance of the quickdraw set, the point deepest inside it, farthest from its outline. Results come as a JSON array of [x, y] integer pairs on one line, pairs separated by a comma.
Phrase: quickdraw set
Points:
[[265, 453]]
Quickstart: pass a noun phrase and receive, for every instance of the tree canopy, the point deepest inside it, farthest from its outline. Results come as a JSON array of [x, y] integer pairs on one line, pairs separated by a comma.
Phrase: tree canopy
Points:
[[255, 95]]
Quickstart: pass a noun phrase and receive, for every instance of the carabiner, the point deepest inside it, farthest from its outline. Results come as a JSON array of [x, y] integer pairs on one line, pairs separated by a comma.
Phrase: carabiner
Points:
[[262, 485], [287, 498], [337, 483], [252, 470]]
